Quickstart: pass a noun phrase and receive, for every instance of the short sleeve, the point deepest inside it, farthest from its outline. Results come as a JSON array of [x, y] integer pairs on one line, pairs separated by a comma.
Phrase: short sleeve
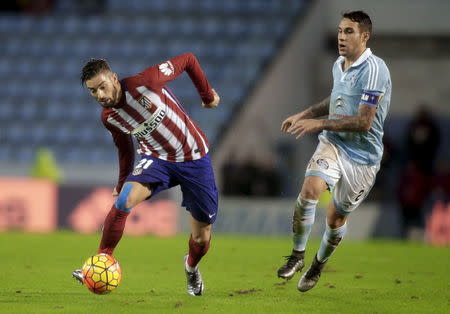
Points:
[[375, 82]]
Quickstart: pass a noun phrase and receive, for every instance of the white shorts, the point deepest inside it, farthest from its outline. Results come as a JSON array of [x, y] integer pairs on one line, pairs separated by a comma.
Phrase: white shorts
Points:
[[349, 181]]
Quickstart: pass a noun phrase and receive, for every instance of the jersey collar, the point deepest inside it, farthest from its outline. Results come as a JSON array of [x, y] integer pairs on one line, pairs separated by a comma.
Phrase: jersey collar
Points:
[[363, 57]]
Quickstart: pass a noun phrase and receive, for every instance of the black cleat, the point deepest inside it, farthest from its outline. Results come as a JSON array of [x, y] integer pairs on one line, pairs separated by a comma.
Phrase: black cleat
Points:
[[195, 284], [311, 276], [78, 275], [294, 263]]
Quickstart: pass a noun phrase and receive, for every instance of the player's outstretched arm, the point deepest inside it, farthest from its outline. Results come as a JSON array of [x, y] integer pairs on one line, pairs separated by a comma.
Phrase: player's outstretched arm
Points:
[[214, 103], [318, 110], [359, 123]]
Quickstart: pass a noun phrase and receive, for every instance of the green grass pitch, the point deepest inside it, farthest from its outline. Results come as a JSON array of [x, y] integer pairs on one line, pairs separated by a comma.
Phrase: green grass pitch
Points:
[[239, 273]]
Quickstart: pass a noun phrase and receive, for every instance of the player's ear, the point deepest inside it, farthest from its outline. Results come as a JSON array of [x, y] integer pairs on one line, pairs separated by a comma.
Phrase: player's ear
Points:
[[366, 36], [115, 78]]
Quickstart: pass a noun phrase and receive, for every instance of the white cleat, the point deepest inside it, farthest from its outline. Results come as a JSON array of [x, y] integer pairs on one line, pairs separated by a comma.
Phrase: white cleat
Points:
[[78, 275], [195, 286]]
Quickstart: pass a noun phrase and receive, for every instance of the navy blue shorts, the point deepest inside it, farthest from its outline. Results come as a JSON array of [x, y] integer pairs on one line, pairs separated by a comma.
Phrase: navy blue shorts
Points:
[[196, 179]]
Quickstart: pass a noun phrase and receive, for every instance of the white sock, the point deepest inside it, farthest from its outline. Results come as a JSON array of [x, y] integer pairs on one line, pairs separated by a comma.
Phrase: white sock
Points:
[[304, 214], [330, 241], [189, 268]]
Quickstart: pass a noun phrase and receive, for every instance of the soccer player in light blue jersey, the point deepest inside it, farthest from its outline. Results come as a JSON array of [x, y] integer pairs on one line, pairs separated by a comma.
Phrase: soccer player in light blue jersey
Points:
[[350, 147]]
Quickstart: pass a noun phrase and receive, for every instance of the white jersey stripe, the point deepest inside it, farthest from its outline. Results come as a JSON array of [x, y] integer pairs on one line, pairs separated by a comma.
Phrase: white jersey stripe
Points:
[[201, 137], [376, 76], [137, 106], [118, 125], [172, 139], [144, 148], [191, 140], [165, 131], [165, 92], [129, 119], [146, 114], [182, 126], [369, 76], [374, 73]]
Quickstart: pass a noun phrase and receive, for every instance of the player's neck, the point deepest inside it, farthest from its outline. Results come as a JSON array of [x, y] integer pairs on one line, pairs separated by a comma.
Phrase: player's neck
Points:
[[348, 61]]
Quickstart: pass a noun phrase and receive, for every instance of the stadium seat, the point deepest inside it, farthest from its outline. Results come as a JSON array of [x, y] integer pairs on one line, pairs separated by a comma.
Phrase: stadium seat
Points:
[[233, 39]]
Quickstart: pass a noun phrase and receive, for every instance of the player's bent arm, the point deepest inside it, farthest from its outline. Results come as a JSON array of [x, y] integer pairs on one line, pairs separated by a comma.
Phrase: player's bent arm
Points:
[[214, 103], [359, 123], [198, 77], [318, 110], [159, 75]]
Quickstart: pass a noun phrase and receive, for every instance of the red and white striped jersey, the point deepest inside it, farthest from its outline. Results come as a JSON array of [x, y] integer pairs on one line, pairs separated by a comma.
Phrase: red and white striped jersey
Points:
[[150, 112]]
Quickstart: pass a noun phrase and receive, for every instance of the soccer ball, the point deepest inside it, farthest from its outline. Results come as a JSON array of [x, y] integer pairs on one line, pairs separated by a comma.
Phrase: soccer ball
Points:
[[101, 273]]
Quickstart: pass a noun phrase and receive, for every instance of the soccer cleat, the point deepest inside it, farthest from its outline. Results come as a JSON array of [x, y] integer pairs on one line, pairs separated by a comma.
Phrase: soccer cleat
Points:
[[78, 275], [295, 262], [311, 276], [195, 284]]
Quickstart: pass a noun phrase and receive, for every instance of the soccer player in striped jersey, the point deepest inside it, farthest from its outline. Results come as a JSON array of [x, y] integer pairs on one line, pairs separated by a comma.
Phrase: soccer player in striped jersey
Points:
[[172, 147], [350, 147]]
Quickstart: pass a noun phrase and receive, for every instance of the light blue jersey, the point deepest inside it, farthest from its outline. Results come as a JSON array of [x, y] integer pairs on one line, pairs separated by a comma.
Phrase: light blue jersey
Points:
[[366, 82]]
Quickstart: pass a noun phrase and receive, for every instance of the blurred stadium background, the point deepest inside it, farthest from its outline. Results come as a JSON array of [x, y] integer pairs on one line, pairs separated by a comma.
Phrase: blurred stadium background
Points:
[[267, 59]]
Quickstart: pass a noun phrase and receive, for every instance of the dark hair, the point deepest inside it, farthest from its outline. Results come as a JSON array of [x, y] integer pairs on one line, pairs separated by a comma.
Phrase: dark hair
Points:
[[360, 17], [92, 68]]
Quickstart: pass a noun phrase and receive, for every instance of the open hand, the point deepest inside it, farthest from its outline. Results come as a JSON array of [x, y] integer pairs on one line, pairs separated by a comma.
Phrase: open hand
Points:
[[288, 122], [304, 126]]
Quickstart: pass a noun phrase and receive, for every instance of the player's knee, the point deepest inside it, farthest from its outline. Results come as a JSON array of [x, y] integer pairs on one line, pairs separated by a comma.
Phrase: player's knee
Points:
[[202, 241], [335, 220], [335, 223], [310, 193], [201, 238], [125, 201]]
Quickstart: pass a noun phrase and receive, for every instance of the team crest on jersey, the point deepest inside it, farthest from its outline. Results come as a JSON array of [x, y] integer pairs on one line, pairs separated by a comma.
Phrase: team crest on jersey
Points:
[[145, 102], [166, 68], [137, 171], [322, 163], [352, 80]]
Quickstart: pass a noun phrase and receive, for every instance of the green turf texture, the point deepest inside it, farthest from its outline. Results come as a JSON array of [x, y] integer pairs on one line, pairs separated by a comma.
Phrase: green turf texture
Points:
[[239, 274]]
